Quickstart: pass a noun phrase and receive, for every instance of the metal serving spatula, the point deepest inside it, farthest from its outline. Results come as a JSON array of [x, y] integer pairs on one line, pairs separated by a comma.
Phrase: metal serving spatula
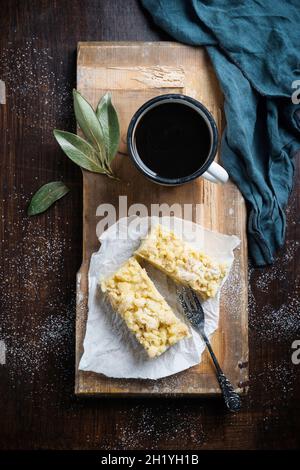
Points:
[[195, 314]]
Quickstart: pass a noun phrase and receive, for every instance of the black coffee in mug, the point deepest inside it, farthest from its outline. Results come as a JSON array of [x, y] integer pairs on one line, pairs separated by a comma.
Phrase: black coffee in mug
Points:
[[172, 140]]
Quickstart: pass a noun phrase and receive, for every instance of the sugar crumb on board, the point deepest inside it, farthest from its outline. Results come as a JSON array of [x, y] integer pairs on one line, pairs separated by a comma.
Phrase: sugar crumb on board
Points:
[[271, 321], [38, 265], [149, 423], [36, 85]]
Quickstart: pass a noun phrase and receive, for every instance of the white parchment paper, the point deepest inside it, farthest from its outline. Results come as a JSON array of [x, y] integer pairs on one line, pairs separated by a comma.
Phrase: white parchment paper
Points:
[[109, 348]]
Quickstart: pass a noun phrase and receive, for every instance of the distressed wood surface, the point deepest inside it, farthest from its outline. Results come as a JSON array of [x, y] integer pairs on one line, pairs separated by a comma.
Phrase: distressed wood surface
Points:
[[133, 73], [39, 259]]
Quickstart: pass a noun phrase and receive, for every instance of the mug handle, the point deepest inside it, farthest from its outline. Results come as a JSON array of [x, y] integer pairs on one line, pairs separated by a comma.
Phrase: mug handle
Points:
[[216, 173]]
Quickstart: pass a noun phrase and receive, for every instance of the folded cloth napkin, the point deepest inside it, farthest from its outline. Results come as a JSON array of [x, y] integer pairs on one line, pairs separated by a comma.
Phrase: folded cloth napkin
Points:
[[254, 47]]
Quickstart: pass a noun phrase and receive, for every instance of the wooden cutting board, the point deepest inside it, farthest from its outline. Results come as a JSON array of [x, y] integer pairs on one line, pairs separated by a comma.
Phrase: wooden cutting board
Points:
[[134, 72]]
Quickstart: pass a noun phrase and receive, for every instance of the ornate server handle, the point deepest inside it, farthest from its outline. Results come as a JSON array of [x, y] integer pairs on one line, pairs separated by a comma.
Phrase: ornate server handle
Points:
[[231, 398]]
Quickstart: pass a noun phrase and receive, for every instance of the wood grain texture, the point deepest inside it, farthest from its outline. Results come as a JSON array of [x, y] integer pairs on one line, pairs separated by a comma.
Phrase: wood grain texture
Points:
[[135, 72], [38, 408]]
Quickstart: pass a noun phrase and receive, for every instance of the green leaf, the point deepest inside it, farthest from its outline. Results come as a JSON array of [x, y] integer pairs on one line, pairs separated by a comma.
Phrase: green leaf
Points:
[[46, 196], [79, 151], [89, 124], [109, 121]]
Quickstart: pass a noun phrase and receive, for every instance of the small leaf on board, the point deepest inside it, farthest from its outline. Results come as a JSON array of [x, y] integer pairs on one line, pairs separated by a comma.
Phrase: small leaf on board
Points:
[[109, 121], [79, 151], [89, 124], [46, 196]]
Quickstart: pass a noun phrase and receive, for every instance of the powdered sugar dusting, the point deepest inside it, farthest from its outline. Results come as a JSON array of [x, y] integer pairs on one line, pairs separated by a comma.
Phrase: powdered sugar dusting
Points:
[[140, 424], [35, 86], [39, 263], [269, 321]]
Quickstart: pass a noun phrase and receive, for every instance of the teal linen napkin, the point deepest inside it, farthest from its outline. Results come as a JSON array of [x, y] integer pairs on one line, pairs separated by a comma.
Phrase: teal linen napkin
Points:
[[254, 47]]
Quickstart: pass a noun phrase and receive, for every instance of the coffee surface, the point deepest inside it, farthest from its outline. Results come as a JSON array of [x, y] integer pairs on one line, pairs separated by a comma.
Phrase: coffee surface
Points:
[[173, 140]]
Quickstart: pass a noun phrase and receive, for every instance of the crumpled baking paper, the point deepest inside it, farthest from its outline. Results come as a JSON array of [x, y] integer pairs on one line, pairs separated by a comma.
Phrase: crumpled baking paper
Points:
[[109, 347]]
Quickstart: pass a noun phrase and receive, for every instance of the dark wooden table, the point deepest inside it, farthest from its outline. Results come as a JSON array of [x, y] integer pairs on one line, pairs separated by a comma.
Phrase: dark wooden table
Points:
[[40, 257]]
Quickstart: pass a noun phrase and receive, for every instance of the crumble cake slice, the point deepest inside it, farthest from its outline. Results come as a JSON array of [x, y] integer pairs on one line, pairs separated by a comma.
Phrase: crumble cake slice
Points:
[[176, 258], [146, 313]]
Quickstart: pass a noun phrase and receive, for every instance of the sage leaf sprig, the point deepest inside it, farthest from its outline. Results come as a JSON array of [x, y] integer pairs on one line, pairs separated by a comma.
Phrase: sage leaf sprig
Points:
[[46, 196], [101, 130], [102, 133], [109, 122]]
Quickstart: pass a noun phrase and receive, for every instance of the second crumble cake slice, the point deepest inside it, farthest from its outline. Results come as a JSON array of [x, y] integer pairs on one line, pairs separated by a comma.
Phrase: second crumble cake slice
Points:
[[176, 258]]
